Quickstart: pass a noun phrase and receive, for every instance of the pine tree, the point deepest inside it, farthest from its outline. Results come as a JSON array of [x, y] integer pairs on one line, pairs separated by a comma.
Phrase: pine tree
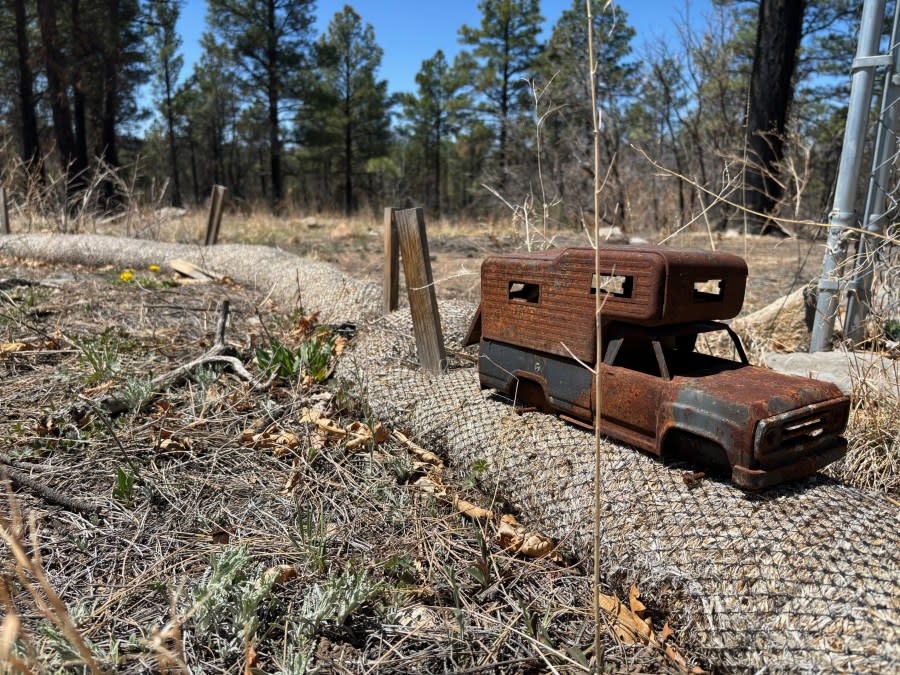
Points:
[[57, 90], [778, 36], [506, 47], [210, 102], [348, 114], [433, 114], [163, 16], [31, 147], [566, 74], [269, 41]]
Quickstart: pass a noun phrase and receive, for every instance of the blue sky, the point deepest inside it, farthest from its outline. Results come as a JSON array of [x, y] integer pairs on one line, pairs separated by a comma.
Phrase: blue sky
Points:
[[410, 31]]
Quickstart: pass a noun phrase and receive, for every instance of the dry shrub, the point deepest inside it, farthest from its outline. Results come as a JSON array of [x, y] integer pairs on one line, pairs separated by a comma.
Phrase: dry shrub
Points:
[[873, 458], [873, 433]]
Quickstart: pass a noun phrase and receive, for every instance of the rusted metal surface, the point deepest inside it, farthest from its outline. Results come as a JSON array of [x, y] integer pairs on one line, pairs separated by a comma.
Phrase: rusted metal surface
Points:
[[545, 301], [659, 393]]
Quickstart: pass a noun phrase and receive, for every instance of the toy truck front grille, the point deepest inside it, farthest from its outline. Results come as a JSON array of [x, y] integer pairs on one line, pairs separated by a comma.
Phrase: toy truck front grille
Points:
[[780, 439]]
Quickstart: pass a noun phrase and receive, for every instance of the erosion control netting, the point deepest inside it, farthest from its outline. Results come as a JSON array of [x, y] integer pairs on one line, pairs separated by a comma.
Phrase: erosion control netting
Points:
[[800, 577]]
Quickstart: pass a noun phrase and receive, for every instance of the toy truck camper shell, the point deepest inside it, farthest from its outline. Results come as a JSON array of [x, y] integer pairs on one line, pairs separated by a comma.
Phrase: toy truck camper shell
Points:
[[536, 326], [545, 301]]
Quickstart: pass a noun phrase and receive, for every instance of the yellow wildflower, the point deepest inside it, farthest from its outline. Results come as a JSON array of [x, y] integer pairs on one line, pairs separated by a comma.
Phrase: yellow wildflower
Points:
[[153, 268], [126, 275]]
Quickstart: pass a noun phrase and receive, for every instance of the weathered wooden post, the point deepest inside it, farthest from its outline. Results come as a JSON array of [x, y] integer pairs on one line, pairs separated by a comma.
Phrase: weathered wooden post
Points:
[[4, 212], [391, 291], [216, 201], [420, 288]]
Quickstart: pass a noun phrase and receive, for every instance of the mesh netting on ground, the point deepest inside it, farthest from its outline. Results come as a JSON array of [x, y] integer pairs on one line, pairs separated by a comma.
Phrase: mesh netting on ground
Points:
[[800, 577]]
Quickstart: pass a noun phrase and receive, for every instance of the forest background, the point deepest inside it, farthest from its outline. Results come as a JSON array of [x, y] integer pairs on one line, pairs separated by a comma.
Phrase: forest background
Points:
[[291, 120]]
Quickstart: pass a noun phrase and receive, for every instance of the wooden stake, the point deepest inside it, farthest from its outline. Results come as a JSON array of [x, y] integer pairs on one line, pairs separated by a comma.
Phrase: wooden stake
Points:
[[420, 288], [391, 262], [217, 199], [4, 212]]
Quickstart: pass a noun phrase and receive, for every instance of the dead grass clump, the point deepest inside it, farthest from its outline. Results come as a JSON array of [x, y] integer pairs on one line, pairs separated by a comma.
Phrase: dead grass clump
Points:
[[873, 436]]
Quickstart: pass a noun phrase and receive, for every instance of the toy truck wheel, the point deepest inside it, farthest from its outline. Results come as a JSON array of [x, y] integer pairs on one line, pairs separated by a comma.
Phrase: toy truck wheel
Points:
[[529, 393], [683, 446]]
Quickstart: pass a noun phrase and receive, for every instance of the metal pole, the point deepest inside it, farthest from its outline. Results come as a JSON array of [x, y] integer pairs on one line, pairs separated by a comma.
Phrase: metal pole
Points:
[[875, 217], [843, 214]]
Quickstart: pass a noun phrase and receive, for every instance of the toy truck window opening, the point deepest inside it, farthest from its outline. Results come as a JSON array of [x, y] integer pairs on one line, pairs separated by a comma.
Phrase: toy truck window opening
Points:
[[637, 354], [710, 290], [619, 285], [524, 292]]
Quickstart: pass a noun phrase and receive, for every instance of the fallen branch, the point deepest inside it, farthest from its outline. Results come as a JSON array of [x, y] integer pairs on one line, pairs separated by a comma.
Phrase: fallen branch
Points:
[[219, 353], [47, 493]]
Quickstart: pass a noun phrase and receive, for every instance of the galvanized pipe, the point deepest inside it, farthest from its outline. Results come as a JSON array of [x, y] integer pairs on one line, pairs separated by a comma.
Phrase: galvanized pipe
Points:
[[843, 215], [875, 216]]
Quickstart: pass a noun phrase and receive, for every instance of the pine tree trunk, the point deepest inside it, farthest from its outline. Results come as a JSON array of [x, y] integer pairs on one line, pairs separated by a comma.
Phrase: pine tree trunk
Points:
[[192, 147], [173, 147], [77, 89], [274, 94], [778, 36], [348, 160], [56, 92], [31, 145]]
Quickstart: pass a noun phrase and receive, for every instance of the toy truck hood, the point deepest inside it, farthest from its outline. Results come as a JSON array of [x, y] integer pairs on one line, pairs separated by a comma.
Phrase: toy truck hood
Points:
[[757, 392]]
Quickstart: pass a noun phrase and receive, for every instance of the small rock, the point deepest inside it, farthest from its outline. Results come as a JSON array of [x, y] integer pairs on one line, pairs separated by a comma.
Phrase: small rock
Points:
[[868, 375], [612, 235]]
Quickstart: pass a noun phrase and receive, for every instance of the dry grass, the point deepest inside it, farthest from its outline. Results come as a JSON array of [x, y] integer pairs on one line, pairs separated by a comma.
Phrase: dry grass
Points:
[[218, 550]]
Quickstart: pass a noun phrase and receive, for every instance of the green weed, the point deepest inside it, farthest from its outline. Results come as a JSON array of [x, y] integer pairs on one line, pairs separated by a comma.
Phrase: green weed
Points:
[[476, 471], [100, 354], [123, 490], [311, 359], [311, 537]]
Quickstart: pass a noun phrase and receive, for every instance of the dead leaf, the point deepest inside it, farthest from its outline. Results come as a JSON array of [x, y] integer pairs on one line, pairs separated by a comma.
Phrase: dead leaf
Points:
[[280, 574], [421, 453], [628, 626], [293, 478], [692, 478], [427, 485], [381, 434], [677, 658], [515, 538], [173, 445], [666, 632], [472, 511], [634, 603], [10, 347], [220, 536]]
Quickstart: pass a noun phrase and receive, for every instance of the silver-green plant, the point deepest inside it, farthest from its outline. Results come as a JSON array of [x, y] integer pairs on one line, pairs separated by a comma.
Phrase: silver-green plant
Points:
[[226, 602], [334, 600], [136, 392], [100, 354]]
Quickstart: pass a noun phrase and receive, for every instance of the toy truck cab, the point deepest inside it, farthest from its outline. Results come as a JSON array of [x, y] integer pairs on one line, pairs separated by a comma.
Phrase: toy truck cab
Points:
[[538, 341]]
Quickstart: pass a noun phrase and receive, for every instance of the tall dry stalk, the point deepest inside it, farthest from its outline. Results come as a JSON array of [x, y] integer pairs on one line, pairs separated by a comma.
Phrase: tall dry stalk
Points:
[[595, 123], [28, 570]]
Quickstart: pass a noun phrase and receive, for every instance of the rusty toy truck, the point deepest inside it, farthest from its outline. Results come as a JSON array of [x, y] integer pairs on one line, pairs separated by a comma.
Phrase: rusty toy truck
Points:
[[537, 331]]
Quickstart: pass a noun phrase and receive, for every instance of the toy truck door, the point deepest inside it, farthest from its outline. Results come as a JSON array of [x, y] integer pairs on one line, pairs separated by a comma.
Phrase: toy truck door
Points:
[[632, 387]]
